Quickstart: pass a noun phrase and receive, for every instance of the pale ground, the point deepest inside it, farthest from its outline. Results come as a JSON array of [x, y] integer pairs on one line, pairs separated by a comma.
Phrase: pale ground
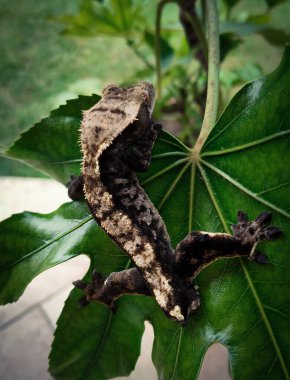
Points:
[[26, 327]]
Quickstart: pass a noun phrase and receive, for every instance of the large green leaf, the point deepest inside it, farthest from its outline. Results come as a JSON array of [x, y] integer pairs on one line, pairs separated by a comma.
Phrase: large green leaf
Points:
[[244, 165], [52, 144], [34, 242]]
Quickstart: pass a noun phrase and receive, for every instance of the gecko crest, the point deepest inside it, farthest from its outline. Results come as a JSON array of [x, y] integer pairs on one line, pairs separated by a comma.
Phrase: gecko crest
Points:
[[117, 137]]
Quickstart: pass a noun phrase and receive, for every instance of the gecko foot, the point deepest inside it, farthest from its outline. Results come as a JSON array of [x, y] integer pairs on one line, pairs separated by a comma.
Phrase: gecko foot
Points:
[[250, 233], [157, 127], [94, 291], [75, 187]]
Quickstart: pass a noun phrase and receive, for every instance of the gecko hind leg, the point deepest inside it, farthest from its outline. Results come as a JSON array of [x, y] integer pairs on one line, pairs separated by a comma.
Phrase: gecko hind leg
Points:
[[107, 290], [199, 249]]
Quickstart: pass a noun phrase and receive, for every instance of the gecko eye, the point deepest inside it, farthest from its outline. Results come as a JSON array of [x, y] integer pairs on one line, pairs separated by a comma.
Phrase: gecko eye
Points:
[[111, 88], [146, 97]]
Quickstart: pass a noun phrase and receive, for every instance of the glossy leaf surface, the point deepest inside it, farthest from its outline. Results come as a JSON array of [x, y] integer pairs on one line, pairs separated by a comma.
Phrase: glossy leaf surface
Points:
[[35, 242], [244, 165]]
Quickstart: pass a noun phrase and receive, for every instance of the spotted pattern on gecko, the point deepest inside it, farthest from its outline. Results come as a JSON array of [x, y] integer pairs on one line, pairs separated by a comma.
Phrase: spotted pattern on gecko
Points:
[[117, 137]]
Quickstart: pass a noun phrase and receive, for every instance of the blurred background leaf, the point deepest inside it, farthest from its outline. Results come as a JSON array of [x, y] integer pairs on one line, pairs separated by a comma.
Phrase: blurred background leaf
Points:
[[53, 51]]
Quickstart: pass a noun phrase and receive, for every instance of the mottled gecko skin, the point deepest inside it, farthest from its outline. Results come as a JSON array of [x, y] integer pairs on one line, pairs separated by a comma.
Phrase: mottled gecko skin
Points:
[[118, 202], [117, 137]]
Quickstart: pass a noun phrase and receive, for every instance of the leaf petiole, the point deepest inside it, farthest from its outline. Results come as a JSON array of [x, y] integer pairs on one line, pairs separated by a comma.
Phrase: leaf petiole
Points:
[[159, 11], [212, 98]]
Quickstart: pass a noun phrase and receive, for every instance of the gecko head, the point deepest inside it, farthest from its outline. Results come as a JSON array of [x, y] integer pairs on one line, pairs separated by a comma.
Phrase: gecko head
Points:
[[148, 95], [146, 91], [143, 89], [144, 95]]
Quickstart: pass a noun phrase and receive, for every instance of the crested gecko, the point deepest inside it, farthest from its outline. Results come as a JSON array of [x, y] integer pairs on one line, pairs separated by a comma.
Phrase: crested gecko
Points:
[[117, 137]]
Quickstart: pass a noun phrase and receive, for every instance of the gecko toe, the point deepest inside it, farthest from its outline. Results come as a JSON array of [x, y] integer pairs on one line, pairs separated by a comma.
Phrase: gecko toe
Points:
[[157, 127], [264, 218], [260, 258], [96, 276], [235, 228], [242, 217], [251, 233], [79, 284], [273, 233]]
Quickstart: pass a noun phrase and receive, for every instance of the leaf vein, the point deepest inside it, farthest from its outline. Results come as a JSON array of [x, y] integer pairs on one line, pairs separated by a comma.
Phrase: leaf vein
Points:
[[173, 185], [158, 174], [98, 350], [173, 376], [84, 221], [245, 189], [250, 283], [247, 145]]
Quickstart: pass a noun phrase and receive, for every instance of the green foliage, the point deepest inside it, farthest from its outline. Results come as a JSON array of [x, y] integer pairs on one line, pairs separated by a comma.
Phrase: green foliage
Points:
[[273, 3], [35, 146], [184, 83], [228, 41], [52, 68], [243, 165], [259, 25], [40, 69], [32, 243], [108, 17]]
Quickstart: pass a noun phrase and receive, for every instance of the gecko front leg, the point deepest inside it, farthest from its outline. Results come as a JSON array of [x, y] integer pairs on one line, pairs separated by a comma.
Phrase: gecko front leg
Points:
[[199, 249], [138, 156], [75, 187], [107, 290]]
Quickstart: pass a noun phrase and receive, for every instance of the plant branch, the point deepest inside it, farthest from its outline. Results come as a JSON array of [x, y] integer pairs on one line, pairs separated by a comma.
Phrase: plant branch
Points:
[[203, 12], [139, 54], [212, 97], [193, 30], [199, 32], [159, 11]]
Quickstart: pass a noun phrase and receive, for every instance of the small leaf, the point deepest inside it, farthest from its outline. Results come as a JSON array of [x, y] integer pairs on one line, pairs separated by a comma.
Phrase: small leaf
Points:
[[273, 3], [52, 145], [32, 243], [273, 35], [108, 17], [166, 49], [242, 74], [228, 42], [231, 3]]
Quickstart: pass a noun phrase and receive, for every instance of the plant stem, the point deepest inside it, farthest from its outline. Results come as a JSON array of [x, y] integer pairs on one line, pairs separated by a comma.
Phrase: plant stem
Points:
[[196, 24], [159, 11], [193, 29], [203, 12], [211, 107], [139, 54]]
